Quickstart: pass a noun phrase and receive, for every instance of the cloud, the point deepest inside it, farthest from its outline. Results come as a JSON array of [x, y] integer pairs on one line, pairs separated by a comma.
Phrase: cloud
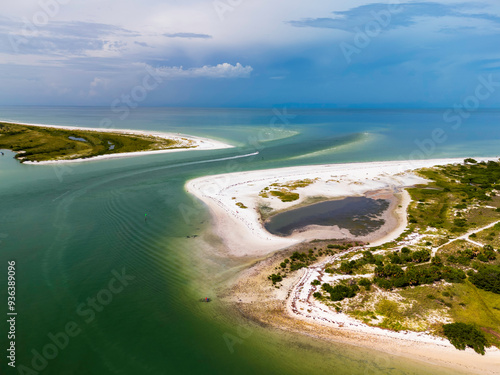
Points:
[[224, 70], [396, 15], [188, 36], [97, 85], [142, 44], [61, 38]]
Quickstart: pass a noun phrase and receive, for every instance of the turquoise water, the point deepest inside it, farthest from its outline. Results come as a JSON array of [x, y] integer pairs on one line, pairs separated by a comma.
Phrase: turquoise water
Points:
[[71, 228]]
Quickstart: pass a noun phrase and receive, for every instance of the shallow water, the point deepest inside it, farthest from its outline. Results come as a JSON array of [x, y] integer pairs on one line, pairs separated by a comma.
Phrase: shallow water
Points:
[[77, 139], [359, 215], [70, 226]]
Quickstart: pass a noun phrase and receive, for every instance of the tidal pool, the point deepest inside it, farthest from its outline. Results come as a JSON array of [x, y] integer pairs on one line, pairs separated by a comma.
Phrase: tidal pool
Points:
[[77, 139], [360, 215]]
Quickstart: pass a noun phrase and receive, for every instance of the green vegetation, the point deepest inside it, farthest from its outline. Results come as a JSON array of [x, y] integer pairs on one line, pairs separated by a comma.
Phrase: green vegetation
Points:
[[463, 335], [487, 278], [366, 283], [33, 143], [301, 259], [489, 236], [340, 291], [350, 267], [275, 278], [393, 315], [284, 195], [285, 191], [464, 255], [392, 276], [241, 205], [407, 256], [410, 287], [450, 201], [292, 185]]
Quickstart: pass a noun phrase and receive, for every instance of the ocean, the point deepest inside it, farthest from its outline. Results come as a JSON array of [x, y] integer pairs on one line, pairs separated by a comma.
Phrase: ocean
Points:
[[109, 269]]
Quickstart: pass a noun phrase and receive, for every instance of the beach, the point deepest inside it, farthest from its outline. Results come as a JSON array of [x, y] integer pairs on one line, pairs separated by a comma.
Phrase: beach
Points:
[[242, 230], [292, 307], [92, 221], [185, 143]]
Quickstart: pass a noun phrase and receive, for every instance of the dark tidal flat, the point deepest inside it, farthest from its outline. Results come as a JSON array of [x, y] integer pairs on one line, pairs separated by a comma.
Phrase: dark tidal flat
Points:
[[360, 215]]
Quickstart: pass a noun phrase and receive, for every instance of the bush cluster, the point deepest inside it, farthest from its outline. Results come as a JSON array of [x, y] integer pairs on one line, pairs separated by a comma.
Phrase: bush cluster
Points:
[[348, 267], [464, 257], [339, 292], [408, 256], [392, 276], [463, 335], [487, 278]]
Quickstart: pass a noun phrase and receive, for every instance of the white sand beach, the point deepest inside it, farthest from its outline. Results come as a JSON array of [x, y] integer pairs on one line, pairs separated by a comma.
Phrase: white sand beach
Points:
[[292, 306], [189, 141], [242, 230]]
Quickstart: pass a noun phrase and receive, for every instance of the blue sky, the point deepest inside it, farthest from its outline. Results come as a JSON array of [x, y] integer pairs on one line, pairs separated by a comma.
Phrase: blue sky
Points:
[[248, 53]]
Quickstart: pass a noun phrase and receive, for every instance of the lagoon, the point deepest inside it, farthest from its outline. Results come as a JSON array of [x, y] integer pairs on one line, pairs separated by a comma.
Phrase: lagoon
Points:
[[359, 215], [70, 226]]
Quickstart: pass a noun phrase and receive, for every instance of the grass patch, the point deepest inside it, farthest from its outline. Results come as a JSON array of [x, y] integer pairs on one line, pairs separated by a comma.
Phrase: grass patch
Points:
[[284, 195], [241, 205], [450, 200], [33, 143], [489, 236], [462, 303], [284, 191]]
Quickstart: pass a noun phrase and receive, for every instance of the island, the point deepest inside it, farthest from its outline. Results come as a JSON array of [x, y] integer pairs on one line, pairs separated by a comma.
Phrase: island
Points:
[[398, 256], [41, 144]]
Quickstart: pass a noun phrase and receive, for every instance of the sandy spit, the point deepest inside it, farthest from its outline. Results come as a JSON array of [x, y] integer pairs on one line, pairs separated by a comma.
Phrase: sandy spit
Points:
[[242, 229], [194, 143]]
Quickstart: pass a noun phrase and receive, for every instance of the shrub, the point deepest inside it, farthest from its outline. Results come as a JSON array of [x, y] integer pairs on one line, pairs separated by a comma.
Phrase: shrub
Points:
[[389, 309], [487, 278], [347, 267], [421, 256], [297, 266], [395, 259], [463, 335], [275, 278], [436, 261], [366, 283], [339, 292], [453, 275], [383, 283], [315, 282]]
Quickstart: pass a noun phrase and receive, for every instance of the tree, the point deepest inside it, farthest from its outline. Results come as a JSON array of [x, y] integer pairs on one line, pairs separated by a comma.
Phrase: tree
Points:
[[436, 261], [421, 256], [463, 335], [487, 278]]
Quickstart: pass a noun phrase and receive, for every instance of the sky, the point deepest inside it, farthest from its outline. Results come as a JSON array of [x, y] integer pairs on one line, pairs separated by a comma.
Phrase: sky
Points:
[[250, 53]]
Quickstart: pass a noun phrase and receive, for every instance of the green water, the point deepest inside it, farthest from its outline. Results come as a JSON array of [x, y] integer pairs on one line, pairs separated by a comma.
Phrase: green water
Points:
[[71, 228]]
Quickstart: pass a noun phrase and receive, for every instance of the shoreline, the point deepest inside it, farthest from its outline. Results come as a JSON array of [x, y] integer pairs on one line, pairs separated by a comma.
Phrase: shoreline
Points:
[[258, 300], [243, 232], [200, 143], [291, 307]]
